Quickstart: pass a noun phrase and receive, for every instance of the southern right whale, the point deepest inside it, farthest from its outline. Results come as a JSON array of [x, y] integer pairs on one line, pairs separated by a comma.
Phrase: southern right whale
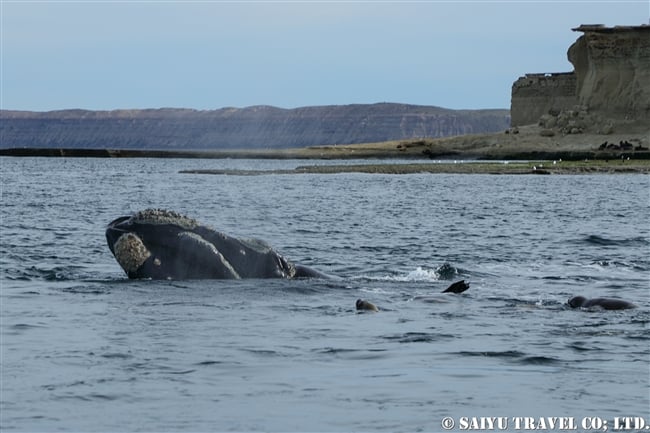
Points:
[[161, 244]]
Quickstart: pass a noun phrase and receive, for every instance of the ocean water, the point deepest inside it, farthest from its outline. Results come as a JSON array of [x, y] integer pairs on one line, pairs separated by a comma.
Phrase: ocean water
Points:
[[85, 349]]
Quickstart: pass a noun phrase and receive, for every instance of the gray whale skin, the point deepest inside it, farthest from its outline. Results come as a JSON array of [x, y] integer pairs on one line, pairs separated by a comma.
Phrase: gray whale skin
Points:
[[161, 244]]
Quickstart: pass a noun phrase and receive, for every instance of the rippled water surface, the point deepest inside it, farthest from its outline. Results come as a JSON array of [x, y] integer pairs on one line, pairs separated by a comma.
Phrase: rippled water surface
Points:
[[85, 349]]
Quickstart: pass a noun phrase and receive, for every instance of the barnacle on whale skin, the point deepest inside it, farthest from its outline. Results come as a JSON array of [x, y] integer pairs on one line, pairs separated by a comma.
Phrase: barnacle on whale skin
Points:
[[130, 252], [163, 216]]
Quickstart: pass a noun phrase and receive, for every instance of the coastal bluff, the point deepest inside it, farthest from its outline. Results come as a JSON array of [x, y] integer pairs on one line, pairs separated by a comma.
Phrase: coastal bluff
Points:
[[610, 83], [257, 127]]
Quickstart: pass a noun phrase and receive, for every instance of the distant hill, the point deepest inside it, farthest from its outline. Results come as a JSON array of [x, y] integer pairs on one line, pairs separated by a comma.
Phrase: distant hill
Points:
[[256, 127]]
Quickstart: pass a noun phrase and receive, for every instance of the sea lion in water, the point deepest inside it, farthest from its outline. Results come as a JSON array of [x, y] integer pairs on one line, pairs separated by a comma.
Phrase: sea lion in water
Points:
[[457, 287], [161, 244], [366, 306], [604, 303]]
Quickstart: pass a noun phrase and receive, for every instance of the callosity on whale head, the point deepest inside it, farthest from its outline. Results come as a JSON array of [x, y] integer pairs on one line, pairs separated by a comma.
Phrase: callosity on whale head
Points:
[[162, 244]]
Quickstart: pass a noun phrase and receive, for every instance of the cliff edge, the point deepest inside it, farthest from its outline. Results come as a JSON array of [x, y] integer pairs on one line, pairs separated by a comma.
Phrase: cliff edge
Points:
[[612, 68], [610, 84]]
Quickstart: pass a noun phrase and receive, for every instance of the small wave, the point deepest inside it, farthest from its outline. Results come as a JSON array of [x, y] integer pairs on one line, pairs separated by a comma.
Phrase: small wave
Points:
[[209, 362], [53, 387], [494, 354], [604, 241], [581, 346], [642, 336], [181, 371], [264, 352], [538, 360], [117, 355], [449, 315], [91, 397], [57, 273], [420, 274], [333, 350], [417, 337], [352, 354], [86, 290], [301, 289], [643, 319], [508, 304], [34, 273], [604, 263], [514, 356], [24, 326]]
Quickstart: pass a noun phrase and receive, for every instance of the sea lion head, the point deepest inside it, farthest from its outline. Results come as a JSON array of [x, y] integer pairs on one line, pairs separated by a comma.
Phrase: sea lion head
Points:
[[366, 306], [577, 301]]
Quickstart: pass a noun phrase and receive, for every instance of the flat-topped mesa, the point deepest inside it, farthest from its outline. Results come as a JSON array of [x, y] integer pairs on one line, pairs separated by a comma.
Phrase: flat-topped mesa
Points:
[[611, 78], [612, 67]]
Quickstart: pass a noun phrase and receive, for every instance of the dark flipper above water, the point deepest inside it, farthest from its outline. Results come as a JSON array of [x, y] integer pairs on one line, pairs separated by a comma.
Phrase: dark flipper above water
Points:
[[457, 287], [604, 303], [161, 244]]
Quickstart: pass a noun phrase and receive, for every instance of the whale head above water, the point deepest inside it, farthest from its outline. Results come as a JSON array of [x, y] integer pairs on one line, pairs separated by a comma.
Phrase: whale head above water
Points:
[[161, 244]]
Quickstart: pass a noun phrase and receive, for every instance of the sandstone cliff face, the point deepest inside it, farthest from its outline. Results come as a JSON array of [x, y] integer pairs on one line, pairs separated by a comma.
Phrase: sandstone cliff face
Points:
[[535, 95], [612, 67], [233, 128], [610, 81]]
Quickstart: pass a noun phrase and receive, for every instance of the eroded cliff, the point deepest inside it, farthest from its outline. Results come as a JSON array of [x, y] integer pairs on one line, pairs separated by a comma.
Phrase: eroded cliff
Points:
[[612, 68], [610, 81]]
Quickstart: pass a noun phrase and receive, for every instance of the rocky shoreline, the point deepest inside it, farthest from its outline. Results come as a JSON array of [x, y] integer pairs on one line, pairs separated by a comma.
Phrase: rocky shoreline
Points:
[[505, 167], [623, 152]]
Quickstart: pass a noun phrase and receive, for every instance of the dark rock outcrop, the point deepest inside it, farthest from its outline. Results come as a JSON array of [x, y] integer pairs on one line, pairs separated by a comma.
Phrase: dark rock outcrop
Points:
[[235, 128]]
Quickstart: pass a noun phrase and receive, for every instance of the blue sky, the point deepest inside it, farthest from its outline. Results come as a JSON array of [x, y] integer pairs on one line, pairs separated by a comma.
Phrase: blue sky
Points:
[[107, 55]]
